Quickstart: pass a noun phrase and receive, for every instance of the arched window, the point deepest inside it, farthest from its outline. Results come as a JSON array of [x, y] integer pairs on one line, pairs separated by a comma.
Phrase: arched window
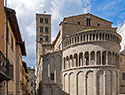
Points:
[[93, 37], [98, 58], [106, 37], [64, 63], [90, 37], [109, 58], [67, 62], [81, 38], [92, 58], [75, 60], [103, 36], [100, 36], [81, 59], [96, 36], [78, 39], [70, 41], [113, 58], [86, 58], [71, 61], [75, 39], [104, 58]]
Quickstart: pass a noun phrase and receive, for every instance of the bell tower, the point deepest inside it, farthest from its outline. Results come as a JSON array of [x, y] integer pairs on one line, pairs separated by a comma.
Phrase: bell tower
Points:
[[43, 33]]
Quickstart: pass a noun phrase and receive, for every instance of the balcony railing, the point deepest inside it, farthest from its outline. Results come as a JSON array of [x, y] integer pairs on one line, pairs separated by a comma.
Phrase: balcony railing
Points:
[[6, 69]]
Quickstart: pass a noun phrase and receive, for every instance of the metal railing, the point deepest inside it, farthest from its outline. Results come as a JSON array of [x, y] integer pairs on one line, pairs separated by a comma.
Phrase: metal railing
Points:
[[6, 69]]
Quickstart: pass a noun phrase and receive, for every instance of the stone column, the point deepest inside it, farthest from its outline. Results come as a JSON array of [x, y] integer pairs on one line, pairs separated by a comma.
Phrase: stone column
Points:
[[78, 60], [68, 84], [88, 37], [96, 85], [76, 84], [92, 37], [85, 37], [95, 58], [106, 58], [63, 63], [72, 61], [83, 60], [104, 82], [85, 86], [89, 58], [101, 57]]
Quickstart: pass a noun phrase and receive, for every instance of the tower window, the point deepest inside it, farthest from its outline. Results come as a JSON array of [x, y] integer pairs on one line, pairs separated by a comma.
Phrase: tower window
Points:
[[78, 23], [88, 22], [46, 20], [41, 29], [123, 76], [41, 38], [46, 29], [46, 38], [52, 76], [41, 20], [98, 24]]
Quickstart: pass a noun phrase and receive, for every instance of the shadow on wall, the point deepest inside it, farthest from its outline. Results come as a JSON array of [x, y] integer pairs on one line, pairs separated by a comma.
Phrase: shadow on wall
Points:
[[50, 90]]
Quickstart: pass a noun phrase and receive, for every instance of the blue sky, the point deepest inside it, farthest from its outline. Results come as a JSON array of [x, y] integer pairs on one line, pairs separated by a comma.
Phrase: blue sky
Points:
[[112, 10]]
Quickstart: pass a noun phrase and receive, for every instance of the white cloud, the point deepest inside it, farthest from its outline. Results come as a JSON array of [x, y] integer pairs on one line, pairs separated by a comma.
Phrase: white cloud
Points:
[[26, 10]]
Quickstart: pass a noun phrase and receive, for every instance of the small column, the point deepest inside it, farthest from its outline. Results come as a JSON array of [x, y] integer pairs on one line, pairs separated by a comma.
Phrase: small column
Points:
[[91, 37], [89, 58], [55, 75], [96, 85], [63, 64], [88, 37], [68, 62], [106, 58], [85, 86], [78, 61], [95, 58], [83, 62], [68, 83], [76, 84], [72, 61], [101, 57], [104, 83]]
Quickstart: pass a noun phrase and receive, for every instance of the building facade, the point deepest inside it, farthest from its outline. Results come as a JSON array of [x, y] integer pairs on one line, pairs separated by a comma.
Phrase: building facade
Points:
[[12, 48], [84, 59], [31, 81], [122, 65]]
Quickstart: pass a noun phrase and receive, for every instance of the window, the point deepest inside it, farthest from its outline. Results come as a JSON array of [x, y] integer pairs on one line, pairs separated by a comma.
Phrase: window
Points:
[[41, 38], [46, 38], [46, 20], [78, 23], [31, 92], [123, 76], [46, 29], [41, 29], [98, 24], [88, 22], [31, 84], [12, 42], [52, 76], [41, 20]]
